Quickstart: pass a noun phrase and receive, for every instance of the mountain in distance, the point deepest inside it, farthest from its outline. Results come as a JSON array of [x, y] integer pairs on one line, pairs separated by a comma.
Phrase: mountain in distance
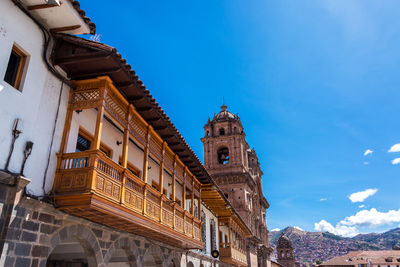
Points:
[[312, 246]]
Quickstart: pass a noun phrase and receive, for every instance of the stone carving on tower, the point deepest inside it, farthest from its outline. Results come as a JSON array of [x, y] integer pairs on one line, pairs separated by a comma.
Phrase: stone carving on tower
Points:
[[235, 168], [284, 250]]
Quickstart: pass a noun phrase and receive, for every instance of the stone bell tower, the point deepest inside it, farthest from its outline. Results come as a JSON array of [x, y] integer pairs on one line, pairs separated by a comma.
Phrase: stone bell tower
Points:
[[235, 168], [225, 147], [284, 250]]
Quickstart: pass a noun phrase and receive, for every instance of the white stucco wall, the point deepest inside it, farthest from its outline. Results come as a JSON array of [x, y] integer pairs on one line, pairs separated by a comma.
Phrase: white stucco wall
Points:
[[35, 106]]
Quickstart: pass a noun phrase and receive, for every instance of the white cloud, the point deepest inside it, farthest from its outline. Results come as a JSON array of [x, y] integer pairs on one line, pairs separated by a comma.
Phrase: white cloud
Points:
[[361, 206], [372, 217], [323, 199], [348, 227], [396, 161], [363, 195], [298, 228], [366, 162], [367, 152], [275, 230], [395, 148], [342, 230]]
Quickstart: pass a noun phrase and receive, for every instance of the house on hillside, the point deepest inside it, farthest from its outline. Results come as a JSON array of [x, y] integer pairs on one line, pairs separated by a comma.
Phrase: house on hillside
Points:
[[382, 258]]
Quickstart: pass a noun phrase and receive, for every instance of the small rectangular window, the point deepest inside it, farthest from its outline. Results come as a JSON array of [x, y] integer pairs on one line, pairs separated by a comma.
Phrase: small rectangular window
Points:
[[84, 141], [15, 67]]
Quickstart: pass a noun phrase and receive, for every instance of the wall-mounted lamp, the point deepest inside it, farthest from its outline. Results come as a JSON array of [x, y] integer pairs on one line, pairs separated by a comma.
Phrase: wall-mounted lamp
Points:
[[119, 143], [78, 111], [169, 184], [27, 153], [15, 134]]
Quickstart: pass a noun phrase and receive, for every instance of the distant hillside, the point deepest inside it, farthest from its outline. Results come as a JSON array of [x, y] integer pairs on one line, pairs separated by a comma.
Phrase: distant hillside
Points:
[[312, 246]]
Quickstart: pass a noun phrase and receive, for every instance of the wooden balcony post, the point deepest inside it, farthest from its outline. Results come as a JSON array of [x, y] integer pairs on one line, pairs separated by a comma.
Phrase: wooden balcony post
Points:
[[67, 126], [230, 234], [125, 144], [192, 206], [199, 206], [146, 155], [146, 168], [184, 191], [125, 141], [161, 180], [173, 189], [99, 121]]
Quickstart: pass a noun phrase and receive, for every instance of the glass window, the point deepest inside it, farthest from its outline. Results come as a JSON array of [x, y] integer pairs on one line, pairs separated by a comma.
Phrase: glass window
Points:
[[15, 68]]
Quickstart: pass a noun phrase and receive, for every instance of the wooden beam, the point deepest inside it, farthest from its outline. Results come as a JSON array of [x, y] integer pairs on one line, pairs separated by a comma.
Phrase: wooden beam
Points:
[[174, 143], [140, 109], [80, 58], [42, 6], [167, 136], [66, 28], [153, 119], [159, 128], [132, 98], [102, 72]]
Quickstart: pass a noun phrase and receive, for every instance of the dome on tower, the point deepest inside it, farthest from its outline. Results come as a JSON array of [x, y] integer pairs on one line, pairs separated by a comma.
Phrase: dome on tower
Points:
[[284, 242], [224, 115]]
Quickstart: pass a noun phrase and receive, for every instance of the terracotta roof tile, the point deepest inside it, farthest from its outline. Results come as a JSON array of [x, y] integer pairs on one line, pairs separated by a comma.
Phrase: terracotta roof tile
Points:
[[82, 13], [361, 257]]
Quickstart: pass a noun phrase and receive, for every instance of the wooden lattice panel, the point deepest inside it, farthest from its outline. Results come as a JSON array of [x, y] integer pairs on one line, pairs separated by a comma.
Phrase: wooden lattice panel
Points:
[[169, 161], [116, 109], [84, 99], [138, 129], [155, 147]]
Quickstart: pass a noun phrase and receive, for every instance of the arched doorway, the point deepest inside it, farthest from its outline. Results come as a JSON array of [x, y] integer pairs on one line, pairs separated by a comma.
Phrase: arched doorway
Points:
[[72, 252], [122, 258], [149, 261], [153, 257], [190, 264], [122, 253]]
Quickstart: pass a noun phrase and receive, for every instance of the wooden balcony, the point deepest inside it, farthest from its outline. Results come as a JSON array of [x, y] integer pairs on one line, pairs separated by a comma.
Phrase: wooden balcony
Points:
[[231, 255], [89, 184]]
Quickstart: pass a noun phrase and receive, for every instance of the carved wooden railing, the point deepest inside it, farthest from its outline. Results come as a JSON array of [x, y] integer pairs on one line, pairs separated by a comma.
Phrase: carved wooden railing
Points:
[[94, 172], [228, 251]]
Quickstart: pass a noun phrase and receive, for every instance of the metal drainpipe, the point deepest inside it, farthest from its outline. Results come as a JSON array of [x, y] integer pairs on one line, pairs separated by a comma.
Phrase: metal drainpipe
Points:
[[52, 139]]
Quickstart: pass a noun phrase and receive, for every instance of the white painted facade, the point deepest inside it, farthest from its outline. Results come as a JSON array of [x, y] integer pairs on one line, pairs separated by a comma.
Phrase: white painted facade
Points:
[[41, 99], [35, 104]]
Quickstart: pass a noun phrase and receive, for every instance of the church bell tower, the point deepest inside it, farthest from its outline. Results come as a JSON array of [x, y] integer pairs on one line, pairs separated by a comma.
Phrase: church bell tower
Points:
[[235, 168], [225, 147]]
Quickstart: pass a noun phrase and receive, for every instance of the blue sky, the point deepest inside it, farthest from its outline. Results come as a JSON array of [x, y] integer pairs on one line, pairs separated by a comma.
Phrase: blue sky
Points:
[[315, 83]]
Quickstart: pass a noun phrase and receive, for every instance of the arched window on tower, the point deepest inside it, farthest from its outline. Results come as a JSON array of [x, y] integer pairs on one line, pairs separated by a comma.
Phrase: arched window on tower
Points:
[[223, 155], [208, 133], [222, 131]]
